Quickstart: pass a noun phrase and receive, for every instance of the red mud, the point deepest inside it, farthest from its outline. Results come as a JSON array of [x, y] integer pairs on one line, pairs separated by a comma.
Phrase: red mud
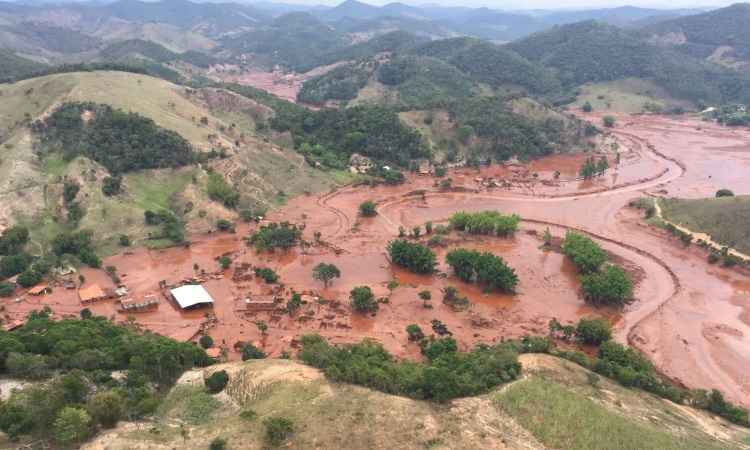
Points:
[[691, 319]]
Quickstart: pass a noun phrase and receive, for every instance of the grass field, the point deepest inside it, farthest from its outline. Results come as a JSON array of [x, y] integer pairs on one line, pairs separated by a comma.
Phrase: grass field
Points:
[[627, 96], [725, 219]]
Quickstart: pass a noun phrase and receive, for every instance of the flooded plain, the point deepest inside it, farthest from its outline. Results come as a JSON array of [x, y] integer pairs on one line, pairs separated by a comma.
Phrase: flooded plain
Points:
[[691, 319]]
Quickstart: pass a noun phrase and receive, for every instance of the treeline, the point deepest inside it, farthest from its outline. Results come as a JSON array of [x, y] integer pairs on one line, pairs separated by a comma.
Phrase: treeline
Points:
[[76, 359], [372, 131], [120, 141], [447, 373], [142, 67], [156, 52], [14, 67]]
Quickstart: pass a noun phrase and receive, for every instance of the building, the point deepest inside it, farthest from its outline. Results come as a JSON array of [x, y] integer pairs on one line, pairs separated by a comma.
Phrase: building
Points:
[[40, 289], [191, 295], [91, 294]]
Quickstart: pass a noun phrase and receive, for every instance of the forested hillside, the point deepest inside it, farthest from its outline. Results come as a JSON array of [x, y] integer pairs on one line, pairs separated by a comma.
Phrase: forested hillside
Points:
[[591, 52], [13, 66]]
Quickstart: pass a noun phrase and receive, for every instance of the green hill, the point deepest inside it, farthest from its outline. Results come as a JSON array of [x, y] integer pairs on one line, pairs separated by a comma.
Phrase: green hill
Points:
[[12, 66], [593, 52], [701, 35]]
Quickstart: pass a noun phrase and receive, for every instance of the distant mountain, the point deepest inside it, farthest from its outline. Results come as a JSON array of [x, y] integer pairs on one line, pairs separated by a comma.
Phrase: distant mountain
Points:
[[703, 34], [212, 17], [352, 9], [620, 16]]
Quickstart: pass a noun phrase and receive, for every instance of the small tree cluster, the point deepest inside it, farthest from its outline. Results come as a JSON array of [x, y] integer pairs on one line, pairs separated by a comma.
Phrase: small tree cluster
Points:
[[592, 168], [483, 267], [413, 256], [363, 300], [266, 274], [486, 222], [275, 235], [367, 209]]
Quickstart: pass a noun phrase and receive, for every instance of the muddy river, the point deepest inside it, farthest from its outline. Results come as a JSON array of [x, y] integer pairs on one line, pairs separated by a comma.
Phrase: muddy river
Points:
[[691, 319]]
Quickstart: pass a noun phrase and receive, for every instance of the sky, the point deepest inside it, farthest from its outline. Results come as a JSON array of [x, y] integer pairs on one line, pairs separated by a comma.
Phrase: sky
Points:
[[545, 4]]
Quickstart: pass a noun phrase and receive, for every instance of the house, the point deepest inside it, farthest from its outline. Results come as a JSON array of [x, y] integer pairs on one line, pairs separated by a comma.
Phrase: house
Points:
[[191, 295], [91, 294], [40, 289], [359, 163], [148, 301]]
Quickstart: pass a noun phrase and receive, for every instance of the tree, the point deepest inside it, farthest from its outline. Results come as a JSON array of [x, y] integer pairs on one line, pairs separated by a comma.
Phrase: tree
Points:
[[86, 314], [267, 275], [608, 121], [586, 254], [7, 289], [611, 286], [593, 331], [217, 381], [262, 326], [72, 425], [111, 186], [225, 262], [294, 303], [724, 193], [415, 332], [325, 272], [425, 296], [29, 278], [106, 408], [218, 444], [363, 300], [206, 341], [225, 225], [367, 209], [587, 108]]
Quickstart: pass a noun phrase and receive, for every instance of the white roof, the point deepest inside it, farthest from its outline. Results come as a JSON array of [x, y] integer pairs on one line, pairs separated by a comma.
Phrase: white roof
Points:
[[191, 295]]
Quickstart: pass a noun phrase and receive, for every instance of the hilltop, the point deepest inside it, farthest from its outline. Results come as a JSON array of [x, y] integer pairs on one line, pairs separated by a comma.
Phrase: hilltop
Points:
[[335, 415]]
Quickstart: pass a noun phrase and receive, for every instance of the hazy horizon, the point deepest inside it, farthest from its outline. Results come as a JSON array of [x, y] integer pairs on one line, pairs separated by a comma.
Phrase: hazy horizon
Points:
[[527, 4]]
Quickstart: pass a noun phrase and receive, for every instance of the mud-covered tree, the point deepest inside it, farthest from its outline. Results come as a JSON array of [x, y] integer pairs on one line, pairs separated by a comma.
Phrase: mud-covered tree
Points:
[[275, 235], [294, 303], [325, 272], [249, 351], [363, 300], [609, 121], [415, 332], [586, 254], [587, 108], [368, 209], [425, 296]]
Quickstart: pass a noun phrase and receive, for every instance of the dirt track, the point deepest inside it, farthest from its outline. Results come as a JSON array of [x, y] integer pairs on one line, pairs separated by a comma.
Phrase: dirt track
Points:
[[691, 319]]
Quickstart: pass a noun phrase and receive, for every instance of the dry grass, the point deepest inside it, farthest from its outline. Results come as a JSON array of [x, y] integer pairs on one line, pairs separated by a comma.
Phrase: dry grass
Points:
[[628, 96]]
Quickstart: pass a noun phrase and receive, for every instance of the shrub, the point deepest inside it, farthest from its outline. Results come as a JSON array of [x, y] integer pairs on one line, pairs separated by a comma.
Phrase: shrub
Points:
[[724, 193], [249, 351], [224, 225], [587, 107], [225, 262], [612, 286], [608, 121], [593, 331], [413, 256], [206, 341], [217, 381], [415, 332], [278, 430], [111, 186], [124, 240], [106, 408], [586, 254], [294, 303], [367, 209], [363, 300], [267, 275]]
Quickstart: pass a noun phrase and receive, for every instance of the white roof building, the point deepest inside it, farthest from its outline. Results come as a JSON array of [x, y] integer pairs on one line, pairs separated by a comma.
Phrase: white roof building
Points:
[[190, 295]]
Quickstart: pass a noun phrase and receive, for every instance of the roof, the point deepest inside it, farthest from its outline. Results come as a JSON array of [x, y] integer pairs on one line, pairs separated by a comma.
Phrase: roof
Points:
[[92, 292], [38, 289], [213, 352], [191, 295]]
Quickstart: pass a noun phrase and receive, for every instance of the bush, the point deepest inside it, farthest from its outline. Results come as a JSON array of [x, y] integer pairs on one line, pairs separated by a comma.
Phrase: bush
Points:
[[124, 240], [249, 351], [218, 444], [224, 225], [612, 286], [608, 121], [415, 257], [217, 381], [587, 108], [367, 209], [362, 299], [106, 408], [225, 262], [586, 254], [278, 430], [724, 193], [267, 275], [593, 331], [206, 341]]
